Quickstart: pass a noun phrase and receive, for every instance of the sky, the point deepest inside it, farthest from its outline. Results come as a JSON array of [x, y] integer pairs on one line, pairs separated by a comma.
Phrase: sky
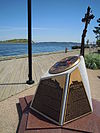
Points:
[[52, 20]]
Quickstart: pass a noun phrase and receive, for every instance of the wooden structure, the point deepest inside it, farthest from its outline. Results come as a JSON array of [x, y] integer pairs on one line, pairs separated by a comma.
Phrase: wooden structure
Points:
[[13, 72]]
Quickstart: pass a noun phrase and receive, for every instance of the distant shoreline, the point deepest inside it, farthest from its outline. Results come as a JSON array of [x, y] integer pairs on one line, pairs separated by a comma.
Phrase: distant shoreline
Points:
[[15, 41], [25, 41], [2, 42], [11, 43]]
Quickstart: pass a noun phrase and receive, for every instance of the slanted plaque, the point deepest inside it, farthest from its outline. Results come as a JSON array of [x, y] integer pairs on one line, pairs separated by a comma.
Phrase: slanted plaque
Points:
[[49, 95], [63, 93], [77, 103]]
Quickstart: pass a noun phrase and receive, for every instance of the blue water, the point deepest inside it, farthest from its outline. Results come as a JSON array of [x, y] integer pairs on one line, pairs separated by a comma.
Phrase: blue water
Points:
[[21, 49]]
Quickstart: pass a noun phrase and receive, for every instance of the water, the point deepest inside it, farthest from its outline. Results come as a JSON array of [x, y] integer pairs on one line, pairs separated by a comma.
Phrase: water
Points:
[[22, 49]]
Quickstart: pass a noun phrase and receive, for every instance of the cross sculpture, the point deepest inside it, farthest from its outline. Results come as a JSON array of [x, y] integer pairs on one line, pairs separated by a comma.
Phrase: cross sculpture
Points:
[[86, 20]]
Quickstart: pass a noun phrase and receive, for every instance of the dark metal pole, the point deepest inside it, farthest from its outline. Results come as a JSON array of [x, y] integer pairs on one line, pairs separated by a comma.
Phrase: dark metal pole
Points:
[[30, 81]]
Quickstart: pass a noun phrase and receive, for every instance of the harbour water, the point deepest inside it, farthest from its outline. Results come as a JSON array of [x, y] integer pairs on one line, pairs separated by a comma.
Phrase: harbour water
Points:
[[22, 49]]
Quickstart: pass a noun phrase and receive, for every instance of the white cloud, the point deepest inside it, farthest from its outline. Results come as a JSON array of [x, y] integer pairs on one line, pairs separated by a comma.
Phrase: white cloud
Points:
[[6, 28], [45, 28]]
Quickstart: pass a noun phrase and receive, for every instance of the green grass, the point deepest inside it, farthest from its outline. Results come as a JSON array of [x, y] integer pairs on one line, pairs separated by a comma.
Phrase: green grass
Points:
[[92, 61]]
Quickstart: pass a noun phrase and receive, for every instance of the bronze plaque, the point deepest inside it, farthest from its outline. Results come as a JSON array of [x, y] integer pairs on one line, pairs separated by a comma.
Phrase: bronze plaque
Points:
[[49, 95], [77, 103]]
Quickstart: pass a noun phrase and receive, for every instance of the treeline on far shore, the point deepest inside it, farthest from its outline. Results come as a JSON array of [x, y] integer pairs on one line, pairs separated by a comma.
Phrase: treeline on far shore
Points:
[[86, 46], [16, 41], [78, 47]]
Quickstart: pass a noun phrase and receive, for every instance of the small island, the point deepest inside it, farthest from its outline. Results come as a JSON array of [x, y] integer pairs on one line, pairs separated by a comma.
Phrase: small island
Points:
[[14, 41]]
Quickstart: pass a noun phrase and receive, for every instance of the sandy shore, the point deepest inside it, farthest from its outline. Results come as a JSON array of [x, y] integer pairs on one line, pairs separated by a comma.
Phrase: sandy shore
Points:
[[9, 117]]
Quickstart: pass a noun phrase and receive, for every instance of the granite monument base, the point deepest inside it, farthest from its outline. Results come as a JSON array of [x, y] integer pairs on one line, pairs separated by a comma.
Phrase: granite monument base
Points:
[[32, 122]]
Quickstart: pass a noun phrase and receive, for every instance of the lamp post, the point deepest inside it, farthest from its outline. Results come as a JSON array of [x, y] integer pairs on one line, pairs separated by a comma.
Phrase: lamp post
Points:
[[30, 81]]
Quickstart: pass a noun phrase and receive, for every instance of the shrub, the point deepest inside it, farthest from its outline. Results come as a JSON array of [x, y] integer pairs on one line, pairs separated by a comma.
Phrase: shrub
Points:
[[98, 43], [92, 61], [78, 47]]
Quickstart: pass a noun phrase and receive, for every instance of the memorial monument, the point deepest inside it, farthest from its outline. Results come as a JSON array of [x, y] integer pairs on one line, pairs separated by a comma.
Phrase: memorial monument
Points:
[[63, 93]]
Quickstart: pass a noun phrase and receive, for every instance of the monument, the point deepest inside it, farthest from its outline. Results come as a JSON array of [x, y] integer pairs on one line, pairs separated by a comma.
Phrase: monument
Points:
[[63, 93]]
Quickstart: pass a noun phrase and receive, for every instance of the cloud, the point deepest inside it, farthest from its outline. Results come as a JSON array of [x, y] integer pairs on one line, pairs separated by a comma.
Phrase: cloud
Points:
[[44, 28], [40, 28], [6, 28]]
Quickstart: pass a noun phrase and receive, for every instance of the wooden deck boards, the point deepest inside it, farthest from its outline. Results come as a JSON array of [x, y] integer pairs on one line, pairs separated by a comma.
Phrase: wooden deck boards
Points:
[[14, 73]]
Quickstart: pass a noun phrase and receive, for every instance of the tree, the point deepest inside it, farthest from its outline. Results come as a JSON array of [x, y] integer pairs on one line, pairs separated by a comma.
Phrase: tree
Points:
[[87, 42], [97, 32]]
